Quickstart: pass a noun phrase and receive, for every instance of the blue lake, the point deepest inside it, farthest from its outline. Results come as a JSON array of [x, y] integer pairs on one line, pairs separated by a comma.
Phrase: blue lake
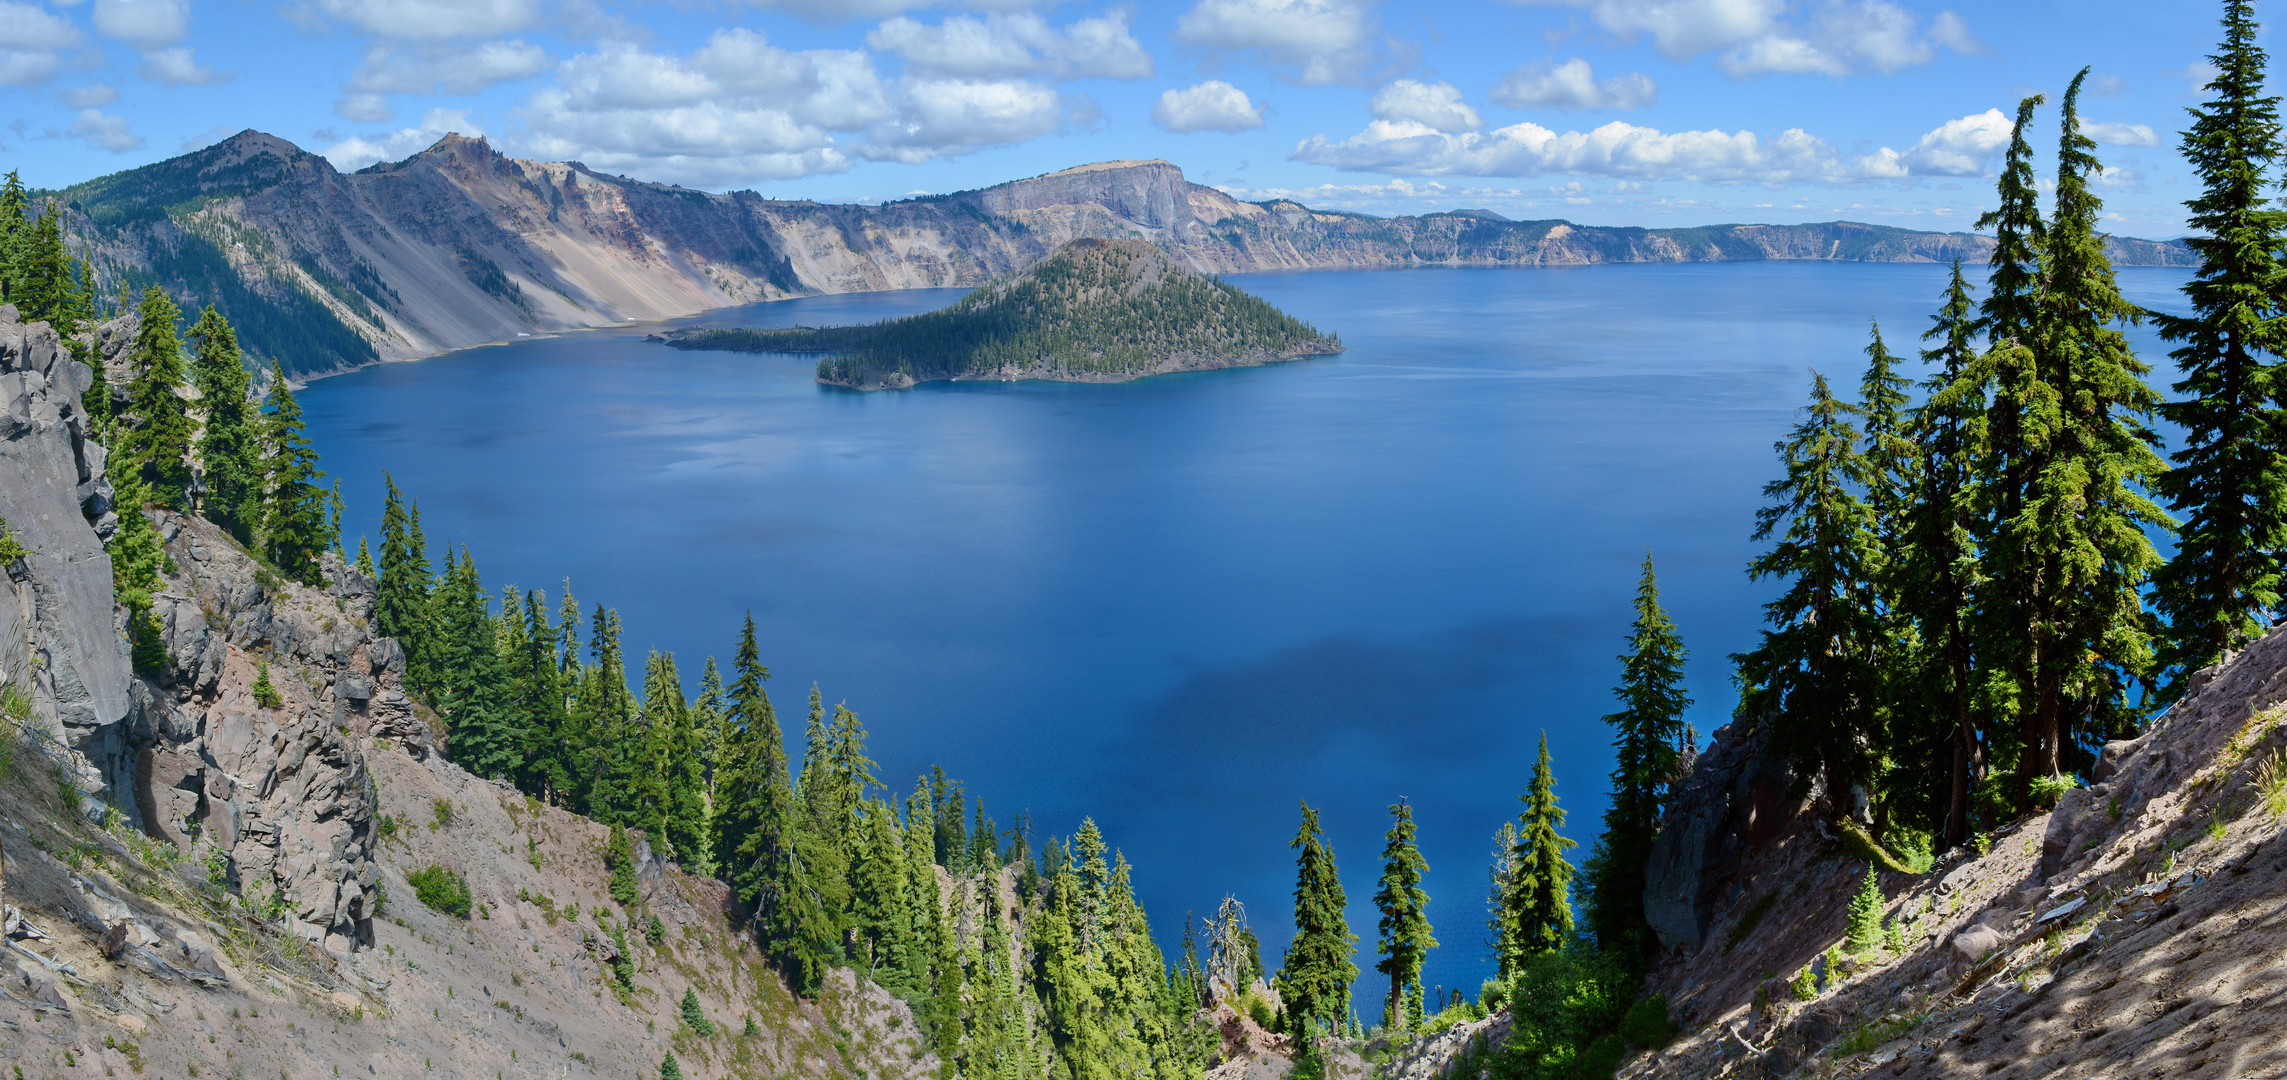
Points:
[[1181, 605]]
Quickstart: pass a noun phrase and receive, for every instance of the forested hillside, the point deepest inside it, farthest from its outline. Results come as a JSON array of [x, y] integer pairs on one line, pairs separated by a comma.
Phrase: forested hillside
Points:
[[1095, 311]]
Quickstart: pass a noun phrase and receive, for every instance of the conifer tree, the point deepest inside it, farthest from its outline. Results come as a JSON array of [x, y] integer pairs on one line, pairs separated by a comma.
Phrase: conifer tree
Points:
[[709, 734], [1314, 983], [13, 226], [1538, 905], [156, 440], [401, 589], [1501, 930], [293, 502], [1936, 571], [364, 561], [229, 436], [2069, 459], [474, 685], [42, 289], [1405, 931], [1648, 734], [608, 729], [1813, 675], [2229, 483]]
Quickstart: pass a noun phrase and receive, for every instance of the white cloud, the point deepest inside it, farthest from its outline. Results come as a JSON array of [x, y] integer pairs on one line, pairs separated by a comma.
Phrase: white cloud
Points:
[[355, 153], [2199, 73], [740, 109], [1435, 105], [177, 67], [837, 11], [92, 96], [999, 46], [1967, 146], [415, 19], [207, 138], [30, 40], [108, 132], [1767, 37], [1949, 30], [2121, 134], [1573, 85], [439, 68], [2107, 86], [365, 109], [1963, 147], [1213, 105], [938, 118], [147, 24], [1326, 41]]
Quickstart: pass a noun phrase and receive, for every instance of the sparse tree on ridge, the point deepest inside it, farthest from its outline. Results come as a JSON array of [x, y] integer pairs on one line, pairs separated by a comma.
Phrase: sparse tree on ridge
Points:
[[1314, 981], [1538, 906], [1648, 733]]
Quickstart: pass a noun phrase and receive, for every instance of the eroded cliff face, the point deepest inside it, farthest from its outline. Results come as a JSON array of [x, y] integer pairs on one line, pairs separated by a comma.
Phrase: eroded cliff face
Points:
[[460, 245]]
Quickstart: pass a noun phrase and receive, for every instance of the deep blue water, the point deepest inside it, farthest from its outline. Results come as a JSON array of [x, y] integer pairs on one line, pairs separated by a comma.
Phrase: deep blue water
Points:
[[1184, 604]]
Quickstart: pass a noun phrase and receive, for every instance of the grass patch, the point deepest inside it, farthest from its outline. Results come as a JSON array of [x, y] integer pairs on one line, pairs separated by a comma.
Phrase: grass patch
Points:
[[1860, 845], [1748, 922], [2270, 782], [441, 890], [1874, 1033]]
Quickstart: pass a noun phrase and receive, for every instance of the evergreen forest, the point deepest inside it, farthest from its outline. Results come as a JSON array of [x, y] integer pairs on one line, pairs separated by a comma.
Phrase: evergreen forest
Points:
[[1116, 308]]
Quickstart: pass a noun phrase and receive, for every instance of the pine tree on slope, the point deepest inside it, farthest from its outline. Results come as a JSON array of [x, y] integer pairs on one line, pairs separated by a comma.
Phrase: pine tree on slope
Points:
[[1314, 984], [156, 442], [230, 435], [1539, 904], [294, 528], [1405, 931], [1648, 733], [2230, 479]]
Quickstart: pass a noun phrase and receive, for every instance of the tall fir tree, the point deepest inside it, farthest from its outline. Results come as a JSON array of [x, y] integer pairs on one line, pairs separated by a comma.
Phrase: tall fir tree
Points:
[[1813, 676], [1936, 571], [1648, 735], [1406, 937], [1501, 874], [230, 436], [401, 590], [294, 531], [2229, 483], [1538, 905], [709, 736], [1315, 978], [156, 439], [474, 686]]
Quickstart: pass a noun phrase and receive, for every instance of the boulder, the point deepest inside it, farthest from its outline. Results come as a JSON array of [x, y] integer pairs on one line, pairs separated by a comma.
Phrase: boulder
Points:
[[1734, 801], [1976, 942]]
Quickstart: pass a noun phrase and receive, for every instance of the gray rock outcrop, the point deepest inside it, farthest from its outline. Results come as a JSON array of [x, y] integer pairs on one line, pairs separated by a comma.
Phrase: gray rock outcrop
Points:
[[59, 637], [1735, 800]]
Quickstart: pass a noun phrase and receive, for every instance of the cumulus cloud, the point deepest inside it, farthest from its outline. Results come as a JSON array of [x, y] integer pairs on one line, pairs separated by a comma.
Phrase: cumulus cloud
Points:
[[357, 152], [2121, 134], [443, 68], [432, 19], [176, 67], [1626, 151], [1000, 46], [739, 109], [30, 41], [1967, 146], [1768, 37], [1433, 105], [1213, 105], [1572, 85], [1323, 41], [147, 24], [108, 132], [838, 11]]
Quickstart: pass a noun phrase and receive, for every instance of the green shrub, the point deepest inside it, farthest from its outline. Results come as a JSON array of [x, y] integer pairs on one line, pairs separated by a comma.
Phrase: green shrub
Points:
[[655, 931], [670, 1069], [2048, 789], [266, 692], [1804, 985], [11, 549], [443, 809], [1647, 1025], [1258, 1010], [442, 890]]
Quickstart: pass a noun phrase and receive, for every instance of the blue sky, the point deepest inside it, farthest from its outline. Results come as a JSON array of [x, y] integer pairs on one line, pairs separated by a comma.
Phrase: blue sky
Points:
[[1652, 112]]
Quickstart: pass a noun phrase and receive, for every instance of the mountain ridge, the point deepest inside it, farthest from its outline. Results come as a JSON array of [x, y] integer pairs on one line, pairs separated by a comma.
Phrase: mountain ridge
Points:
[[461, 245]]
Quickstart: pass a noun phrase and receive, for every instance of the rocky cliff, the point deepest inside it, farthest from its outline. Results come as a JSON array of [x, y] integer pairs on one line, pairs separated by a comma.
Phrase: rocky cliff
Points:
[[2133, 931], [459, 245], [200, 878]]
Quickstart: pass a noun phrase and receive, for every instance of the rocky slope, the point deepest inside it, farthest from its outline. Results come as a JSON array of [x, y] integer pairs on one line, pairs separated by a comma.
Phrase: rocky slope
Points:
[[194, 881], [459, 245], [1094, 311], [2133, 931]]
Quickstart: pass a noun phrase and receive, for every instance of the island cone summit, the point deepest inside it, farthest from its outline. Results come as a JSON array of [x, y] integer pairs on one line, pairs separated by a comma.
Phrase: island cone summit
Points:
[[1095, 311]]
